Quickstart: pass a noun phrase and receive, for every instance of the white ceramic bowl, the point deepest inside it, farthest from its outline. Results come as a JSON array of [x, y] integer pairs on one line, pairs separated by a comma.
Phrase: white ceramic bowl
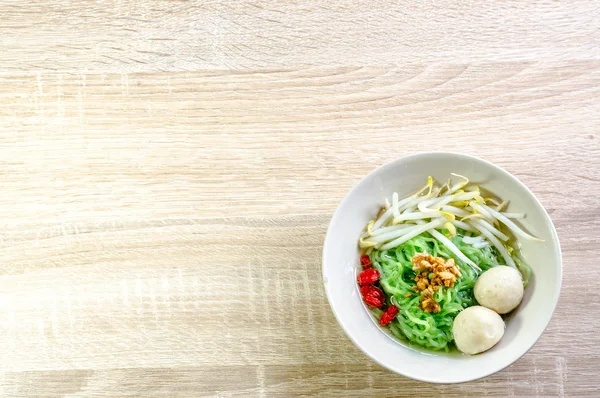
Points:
[[405, 176]]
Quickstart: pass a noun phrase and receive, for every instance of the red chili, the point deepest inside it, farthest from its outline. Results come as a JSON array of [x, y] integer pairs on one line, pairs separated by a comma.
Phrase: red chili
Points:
[[388, 315], [368, 277], [372, 295], [365, 261]]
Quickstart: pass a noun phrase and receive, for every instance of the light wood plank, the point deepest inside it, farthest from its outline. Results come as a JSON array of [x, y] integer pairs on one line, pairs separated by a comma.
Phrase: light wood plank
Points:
[[143, 36]]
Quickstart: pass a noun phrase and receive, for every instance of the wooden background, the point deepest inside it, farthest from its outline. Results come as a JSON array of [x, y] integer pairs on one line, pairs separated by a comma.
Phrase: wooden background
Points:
[[168, 170]]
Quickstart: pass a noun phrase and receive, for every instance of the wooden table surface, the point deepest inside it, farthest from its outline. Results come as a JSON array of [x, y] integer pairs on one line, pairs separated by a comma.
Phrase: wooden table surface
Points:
[[169, 168]]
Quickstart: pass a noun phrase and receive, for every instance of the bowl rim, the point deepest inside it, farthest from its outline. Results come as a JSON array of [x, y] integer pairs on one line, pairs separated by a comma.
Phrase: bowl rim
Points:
[[392, 164]]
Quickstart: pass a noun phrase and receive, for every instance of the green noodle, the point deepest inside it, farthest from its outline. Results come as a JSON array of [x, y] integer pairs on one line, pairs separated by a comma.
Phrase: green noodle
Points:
[[431, 330]]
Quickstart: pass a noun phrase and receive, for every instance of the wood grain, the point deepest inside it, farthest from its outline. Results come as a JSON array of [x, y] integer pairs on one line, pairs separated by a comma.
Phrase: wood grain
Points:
[[168, 171], [144, 36]]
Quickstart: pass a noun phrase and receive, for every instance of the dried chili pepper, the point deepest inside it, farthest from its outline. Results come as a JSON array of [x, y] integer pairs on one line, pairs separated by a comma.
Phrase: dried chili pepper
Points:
[[365, 261], [368, 277], [388, 315], [372, 295]]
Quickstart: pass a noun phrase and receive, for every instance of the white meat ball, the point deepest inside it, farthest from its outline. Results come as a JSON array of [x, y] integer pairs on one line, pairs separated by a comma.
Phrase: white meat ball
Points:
[[477, 329], [499, 289]]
